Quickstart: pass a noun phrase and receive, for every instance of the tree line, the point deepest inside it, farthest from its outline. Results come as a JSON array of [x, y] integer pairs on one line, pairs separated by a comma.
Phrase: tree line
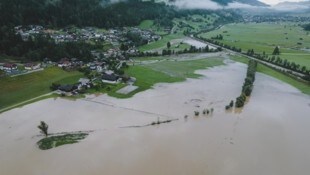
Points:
[[247, 86], [220, 37], [42, 46], [275, 59], [192, 49]]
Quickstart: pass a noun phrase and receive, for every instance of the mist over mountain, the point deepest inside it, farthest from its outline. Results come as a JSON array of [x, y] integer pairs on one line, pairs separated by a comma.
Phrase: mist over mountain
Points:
[[293, 6], [217, 4]]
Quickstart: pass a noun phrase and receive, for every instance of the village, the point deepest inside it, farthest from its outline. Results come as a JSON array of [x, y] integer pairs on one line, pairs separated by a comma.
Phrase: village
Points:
[[106, 65], [115, 38], [96, 72]]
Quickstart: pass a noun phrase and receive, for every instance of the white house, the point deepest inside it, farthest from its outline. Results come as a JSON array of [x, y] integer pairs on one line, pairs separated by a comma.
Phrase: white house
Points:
[[9, 66], [64, 64], [32, 66]]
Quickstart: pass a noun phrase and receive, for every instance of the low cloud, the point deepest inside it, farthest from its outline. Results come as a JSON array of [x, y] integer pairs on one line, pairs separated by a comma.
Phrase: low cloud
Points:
[[197, 4], [237, 5], [291, 6], [208, 4]]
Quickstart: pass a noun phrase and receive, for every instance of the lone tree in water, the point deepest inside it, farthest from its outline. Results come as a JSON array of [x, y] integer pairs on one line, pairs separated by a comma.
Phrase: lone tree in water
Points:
[[43, 127], [276, 51]]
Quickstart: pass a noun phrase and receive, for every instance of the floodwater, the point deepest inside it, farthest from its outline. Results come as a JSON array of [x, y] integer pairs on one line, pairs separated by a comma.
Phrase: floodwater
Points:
[[187, 40], [192, 42], [269, 136]]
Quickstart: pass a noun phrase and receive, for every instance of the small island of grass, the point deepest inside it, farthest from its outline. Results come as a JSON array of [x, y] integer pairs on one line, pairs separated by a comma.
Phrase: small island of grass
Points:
[[59, 140]]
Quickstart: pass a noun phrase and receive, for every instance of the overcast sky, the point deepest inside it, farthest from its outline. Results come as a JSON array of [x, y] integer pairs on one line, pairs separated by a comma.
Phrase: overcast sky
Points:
[[272, 2]]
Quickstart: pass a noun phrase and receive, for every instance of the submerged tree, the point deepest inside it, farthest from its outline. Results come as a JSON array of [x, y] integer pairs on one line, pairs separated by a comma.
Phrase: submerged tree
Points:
[[44, 128], [231, 104]]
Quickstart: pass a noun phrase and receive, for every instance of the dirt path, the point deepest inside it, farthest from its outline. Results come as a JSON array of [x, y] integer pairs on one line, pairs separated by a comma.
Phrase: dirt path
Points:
[[25, 102]]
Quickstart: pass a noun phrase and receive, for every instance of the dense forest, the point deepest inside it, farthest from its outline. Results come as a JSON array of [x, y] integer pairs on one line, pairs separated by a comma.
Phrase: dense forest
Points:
[[60, 13], [36, 49]]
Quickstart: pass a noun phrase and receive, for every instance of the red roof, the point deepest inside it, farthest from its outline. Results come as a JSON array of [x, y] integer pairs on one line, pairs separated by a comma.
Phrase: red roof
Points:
[[9, 65]]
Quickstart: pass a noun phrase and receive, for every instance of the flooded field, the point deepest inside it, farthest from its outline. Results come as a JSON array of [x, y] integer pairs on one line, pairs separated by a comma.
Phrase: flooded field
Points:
[[196, 43], [269, 136]]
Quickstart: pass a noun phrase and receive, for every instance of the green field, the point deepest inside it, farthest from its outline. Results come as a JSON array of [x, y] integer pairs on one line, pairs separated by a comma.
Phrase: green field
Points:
[[149, 25], [160, 43], [21, 88], [194, 23], [303, 87], [146, 24], [167, 72], [184, 69], [264, 37]]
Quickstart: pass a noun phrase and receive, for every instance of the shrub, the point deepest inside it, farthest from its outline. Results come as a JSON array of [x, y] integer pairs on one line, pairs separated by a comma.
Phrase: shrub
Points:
[[196, 113]]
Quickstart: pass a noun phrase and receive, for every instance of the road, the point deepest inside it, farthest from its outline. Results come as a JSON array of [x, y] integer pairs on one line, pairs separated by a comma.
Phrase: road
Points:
[[258, 60]]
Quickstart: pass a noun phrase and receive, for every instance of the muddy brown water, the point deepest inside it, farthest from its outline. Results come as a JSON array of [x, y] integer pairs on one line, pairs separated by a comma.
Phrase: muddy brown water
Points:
[[269, 136]]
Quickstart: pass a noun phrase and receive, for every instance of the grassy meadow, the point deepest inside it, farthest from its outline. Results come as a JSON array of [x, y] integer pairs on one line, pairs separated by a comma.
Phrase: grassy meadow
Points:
[[303, 87], [21, 88], [149, 25], [161, 43], [264, 37], [167, 72], [193, 23]]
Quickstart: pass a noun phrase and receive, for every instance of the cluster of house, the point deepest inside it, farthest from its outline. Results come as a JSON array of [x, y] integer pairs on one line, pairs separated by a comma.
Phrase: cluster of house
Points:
[[10, 67], [114, 53], [73, 63], [84, 34], [85, 83], [113, 36], [73, 89], [99, 65], [70, 63], [27, 31], [147, 35]]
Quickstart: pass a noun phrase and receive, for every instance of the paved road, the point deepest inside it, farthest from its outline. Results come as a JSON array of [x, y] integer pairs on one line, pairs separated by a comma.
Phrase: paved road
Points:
[[260, 61]]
